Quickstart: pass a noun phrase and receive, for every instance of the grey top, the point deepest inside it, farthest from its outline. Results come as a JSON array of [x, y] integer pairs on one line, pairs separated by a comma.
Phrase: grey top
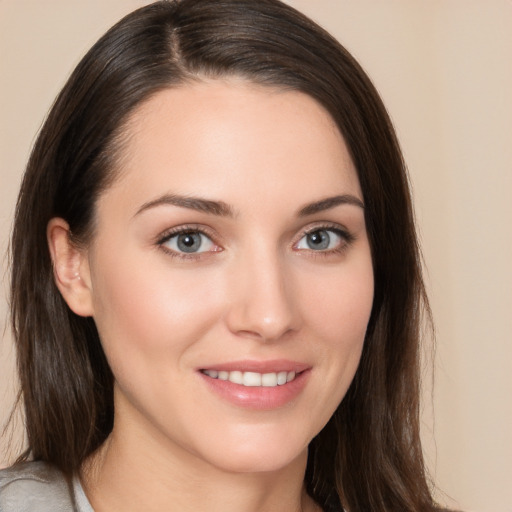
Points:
[[38, 487]]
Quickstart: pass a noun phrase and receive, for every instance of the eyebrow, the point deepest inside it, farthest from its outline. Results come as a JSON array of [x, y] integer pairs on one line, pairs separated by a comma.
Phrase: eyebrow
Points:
[[219, 208], [222, 209], [328, 203]]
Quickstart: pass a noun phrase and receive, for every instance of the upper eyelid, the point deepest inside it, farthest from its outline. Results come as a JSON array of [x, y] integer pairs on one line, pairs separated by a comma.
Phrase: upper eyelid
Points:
[[170, 233], [167, 234], [319, 226], [340, 230], [164, 236]]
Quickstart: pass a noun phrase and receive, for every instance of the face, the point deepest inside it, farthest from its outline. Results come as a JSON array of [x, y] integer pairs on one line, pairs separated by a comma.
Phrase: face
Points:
[[230, 274]]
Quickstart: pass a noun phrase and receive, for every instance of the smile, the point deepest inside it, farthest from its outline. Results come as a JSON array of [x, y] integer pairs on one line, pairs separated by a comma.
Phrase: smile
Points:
[[252, 379], [257, 385]]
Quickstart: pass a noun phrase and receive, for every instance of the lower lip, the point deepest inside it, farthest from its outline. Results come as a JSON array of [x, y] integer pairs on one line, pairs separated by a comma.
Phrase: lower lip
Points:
[[258, 397]]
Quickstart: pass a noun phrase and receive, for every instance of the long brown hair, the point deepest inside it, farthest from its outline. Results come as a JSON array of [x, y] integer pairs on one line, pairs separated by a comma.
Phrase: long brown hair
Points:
[[369, 454]]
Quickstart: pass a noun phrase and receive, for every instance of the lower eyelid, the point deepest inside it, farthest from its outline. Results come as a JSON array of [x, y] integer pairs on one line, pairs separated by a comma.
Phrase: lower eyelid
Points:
[[210, 243], [345, 237], [162, 242]]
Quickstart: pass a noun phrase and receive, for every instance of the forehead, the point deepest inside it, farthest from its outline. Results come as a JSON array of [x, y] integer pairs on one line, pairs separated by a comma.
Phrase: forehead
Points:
[[230, 139]]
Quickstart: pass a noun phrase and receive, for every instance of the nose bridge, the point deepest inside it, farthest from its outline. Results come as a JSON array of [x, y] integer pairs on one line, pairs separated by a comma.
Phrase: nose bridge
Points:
[[262, 305]]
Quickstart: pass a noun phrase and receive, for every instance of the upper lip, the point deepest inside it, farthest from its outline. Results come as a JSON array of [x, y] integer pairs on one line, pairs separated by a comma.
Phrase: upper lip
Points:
[[271, 366]]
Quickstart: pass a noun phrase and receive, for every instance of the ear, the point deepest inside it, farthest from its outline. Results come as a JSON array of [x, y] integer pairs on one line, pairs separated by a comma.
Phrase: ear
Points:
[[70, 268]]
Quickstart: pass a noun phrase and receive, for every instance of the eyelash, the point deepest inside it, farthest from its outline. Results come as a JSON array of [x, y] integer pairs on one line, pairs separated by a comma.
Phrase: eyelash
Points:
[[346, 240], [183, 230]]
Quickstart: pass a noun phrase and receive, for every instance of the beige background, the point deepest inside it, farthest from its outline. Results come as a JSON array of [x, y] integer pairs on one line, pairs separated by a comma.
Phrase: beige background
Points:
[[444, 68]]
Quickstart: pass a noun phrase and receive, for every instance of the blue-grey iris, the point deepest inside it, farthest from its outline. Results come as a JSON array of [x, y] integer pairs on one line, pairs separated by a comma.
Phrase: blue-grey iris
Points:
[[318, 240], [189, 242]]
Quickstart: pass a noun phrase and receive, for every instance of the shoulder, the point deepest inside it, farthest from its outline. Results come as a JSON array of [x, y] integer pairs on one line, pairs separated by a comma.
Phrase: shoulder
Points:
[[34, 486]]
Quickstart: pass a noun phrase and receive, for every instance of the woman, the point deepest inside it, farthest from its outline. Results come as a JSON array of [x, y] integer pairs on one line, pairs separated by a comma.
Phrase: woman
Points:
[[216, 282]]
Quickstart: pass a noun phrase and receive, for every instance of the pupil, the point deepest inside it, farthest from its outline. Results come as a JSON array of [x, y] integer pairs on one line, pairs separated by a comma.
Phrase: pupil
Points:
[[189, 242], [318, 240]]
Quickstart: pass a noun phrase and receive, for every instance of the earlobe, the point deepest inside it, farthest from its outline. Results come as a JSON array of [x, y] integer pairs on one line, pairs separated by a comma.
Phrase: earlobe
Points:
[[70, 268]]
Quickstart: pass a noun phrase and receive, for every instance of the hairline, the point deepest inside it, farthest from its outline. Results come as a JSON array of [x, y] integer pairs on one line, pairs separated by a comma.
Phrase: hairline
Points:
[[117, 148]]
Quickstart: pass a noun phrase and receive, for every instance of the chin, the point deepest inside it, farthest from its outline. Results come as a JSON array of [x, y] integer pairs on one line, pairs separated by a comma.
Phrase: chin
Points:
[[250, 454], [256, 463]]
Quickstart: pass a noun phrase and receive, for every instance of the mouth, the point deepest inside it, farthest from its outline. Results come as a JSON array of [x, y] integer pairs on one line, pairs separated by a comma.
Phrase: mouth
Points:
[[259, 385], [253, 379]]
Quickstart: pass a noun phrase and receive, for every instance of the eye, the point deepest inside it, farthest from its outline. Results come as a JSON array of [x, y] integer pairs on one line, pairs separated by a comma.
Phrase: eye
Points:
[[321, 240], [188, 242]]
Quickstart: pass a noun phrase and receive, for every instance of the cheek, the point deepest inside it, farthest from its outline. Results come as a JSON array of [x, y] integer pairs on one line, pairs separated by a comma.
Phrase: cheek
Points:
[[336, 307], [339, 306], [147, 312]]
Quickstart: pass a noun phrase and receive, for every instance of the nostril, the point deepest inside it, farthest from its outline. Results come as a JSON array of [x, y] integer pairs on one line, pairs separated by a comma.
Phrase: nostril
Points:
[[262, 307], [264, 335], [249, 334]]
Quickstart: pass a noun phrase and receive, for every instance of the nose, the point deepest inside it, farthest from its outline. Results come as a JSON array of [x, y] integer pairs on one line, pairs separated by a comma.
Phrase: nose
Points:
[[262, 304]]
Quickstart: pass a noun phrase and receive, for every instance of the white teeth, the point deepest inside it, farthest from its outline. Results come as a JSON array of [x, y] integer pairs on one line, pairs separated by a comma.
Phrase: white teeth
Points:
[[236, 377], [281, 378], [269, 380], [252, 379]]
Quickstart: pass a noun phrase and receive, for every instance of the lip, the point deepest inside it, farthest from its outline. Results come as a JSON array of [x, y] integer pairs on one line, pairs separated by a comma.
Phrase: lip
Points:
[[271, 366], [258, 398]]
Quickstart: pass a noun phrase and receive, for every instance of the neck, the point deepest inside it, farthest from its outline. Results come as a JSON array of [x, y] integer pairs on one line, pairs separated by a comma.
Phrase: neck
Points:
[[126, 474]]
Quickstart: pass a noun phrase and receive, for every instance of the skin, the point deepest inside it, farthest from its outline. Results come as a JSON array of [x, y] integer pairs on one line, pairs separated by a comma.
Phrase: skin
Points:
[[257, 291]]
